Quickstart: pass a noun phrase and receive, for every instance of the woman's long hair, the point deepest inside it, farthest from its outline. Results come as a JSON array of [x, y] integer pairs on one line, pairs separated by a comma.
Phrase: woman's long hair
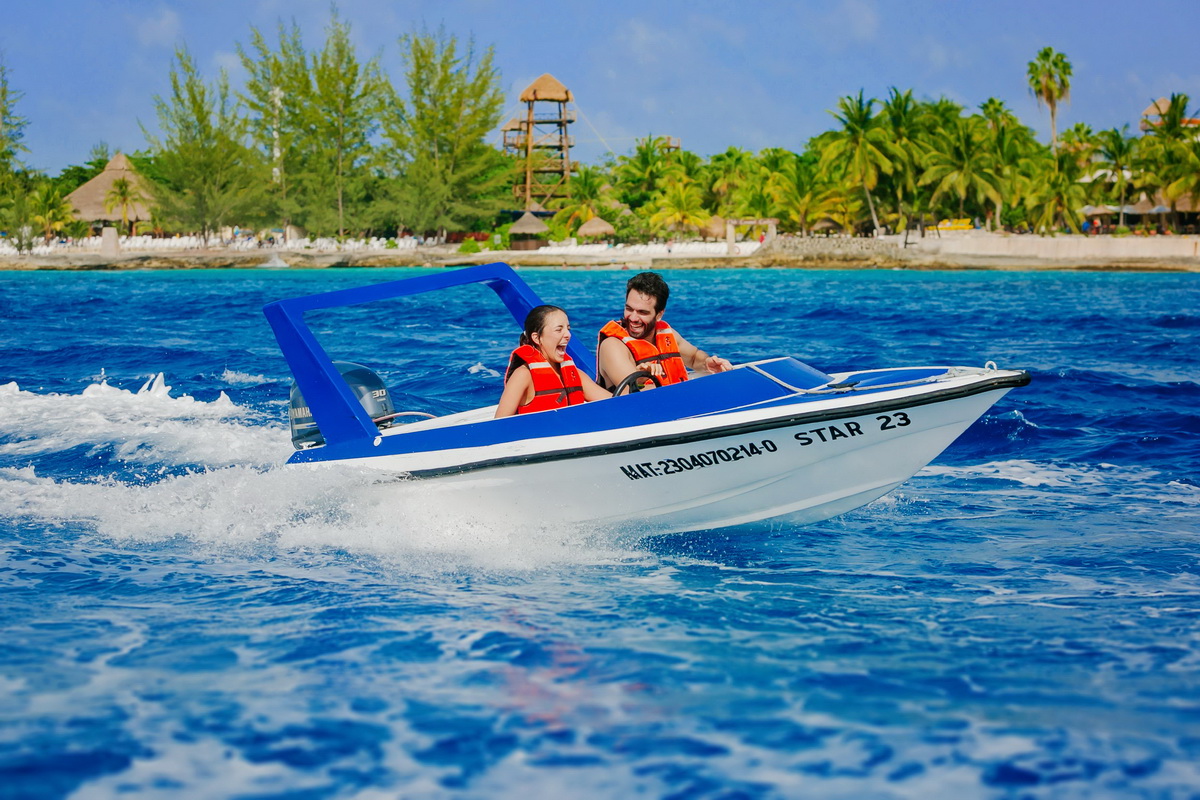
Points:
[[534, 322]]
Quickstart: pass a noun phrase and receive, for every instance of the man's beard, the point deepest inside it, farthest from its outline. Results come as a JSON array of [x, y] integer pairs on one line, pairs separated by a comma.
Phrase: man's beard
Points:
[[647, 329]]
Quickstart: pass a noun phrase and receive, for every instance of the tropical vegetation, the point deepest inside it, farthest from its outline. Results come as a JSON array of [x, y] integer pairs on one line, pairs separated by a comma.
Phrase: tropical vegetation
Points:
[[324, 140]]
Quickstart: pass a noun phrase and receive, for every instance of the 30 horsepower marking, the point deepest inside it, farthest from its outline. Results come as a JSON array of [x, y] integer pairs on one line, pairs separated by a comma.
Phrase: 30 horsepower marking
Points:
[[708, 458]]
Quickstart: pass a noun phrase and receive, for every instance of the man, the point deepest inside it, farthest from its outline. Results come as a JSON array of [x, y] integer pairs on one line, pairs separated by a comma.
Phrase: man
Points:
[[642, 341]]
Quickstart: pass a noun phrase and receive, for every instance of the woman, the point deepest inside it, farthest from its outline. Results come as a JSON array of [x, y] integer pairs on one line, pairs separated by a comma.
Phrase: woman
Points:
[[540, 375]]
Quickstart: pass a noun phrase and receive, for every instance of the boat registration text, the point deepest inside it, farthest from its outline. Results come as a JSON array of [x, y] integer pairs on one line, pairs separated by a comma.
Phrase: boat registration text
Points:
[[707, 458]]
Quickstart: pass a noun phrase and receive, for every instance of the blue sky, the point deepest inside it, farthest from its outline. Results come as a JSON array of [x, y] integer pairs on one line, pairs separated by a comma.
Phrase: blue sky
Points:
[[715, 74]]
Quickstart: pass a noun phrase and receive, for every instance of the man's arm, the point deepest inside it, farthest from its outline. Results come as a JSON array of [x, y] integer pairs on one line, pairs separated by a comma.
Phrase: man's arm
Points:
[[695, 358]]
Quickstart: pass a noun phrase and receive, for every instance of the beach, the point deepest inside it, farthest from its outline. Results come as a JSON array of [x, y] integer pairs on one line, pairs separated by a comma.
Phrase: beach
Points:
[[976, 251]]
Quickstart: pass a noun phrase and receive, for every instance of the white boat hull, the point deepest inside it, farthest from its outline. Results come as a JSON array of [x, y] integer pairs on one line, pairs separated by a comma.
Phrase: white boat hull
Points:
[[815, 471]]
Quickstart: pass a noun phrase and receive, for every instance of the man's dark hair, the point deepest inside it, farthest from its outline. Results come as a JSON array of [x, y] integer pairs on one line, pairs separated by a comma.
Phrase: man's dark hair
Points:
[[652, 285]]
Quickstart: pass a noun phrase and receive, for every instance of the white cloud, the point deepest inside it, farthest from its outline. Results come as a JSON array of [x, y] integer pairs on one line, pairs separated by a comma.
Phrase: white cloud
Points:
[[860, 18], [161, 30]]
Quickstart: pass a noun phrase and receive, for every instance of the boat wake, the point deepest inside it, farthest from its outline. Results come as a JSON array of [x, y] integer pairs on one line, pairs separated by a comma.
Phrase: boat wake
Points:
[[160, 468]]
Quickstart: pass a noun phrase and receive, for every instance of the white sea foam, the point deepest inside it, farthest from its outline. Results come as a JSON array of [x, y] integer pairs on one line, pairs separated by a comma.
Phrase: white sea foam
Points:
[[148, 426], [234, 377], [340, 507], [1062, 478], [239, 492], [478, 367]]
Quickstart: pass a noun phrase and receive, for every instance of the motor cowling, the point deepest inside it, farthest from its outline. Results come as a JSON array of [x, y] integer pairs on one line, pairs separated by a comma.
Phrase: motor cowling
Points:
[[367, 386]]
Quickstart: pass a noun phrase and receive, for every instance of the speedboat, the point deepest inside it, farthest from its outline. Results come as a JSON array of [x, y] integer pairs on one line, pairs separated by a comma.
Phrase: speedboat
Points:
[[767, 440]]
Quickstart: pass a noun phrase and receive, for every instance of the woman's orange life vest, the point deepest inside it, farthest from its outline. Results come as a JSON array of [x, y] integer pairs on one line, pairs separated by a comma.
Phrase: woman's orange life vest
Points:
[[549, 389], [664, 349]]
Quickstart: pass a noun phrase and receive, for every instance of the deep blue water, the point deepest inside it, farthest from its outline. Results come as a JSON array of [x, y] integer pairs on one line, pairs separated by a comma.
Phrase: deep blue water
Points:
[[183, 617]]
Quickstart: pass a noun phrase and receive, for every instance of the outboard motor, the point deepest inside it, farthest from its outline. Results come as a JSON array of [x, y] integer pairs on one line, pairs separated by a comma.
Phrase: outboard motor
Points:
[[367, 387]]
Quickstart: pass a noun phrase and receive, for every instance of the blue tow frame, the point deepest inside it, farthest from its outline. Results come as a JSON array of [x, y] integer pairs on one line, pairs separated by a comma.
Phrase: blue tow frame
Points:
[[335, 409]]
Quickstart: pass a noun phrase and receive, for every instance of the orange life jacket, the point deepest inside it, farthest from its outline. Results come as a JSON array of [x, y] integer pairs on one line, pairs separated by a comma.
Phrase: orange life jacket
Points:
[[664, 349], [549, 390]]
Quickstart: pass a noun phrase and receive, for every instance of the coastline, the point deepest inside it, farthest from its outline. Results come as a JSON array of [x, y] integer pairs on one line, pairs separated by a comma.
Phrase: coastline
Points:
[[887, 257]]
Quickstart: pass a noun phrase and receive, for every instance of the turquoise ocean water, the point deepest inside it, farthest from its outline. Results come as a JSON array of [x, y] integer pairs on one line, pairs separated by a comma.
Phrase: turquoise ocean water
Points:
[[182, 616]]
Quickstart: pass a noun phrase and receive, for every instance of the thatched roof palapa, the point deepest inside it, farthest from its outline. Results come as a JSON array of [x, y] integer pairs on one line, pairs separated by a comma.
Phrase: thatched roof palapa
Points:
[[547, 87], [1157, 108], [88, 199], [596, 226], [530, 224], [714, 228]]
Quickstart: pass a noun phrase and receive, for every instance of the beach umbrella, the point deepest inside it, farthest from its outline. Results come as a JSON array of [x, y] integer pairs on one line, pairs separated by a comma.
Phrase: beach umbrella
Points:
[[596, 226], [530, 224]]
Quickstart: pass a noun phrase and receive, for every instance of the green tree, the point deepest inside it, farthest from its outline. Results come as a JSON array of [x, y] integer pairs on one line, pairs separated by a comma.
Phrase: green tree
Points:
[[755, 197], [340, 116], [798, 195], [1118, 150], [209, 176], [1058, 195], [640, 175], [450, 178], [123, 195], [1009, 145], [958, 164], [50, 210], [679, 206], [902, 119], [12, 130], [1050, 82], [1164, 165], [727, 172], [590, 192], [861, 147], [16, 216], [277, 90]]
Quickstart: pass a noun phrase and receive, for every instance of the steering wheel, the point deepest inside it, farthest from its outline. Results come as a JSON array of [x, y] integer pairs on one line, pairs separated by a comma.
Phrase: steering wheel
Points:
[[632, 378]]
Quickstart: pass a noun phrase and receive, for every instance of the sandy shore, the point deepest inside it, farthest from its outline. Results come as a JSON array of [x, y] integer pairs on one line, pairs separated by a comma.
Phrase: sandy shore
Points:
[[448, 257]]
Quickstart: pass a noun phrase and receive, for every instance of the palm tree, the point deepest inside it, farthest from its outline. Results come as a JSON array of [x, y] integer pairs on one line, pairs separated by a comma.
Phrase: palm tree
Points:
[[1188, 182], [903, 121], [639, 176], [861, 147], [959, 164], [727, 172], [1079, 141], [589, 192], [1050, 82], [680, 205], [797, 194], [50, 209], [1117, 153], [1059, 195], [124, 195], [1164, 153], [754, 197], [1008, 142]]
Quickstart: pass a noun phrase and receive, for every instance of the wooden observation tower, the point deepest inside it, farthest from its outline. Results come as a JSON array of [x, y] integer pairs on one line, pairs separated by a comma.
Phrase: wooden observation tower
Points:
[[541, 141]]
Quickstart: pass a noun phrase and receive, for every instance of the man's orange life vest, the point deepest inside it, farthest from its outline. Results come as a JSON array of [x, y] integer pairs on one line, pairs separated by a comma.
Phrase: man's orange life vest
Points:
[[664, 349], [549, 390]]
